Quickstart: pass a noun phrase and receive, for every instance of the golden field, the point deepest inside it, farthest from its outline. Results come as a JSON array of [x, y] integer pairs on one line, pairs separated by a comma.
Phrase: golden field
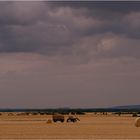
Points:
[[90, 127]]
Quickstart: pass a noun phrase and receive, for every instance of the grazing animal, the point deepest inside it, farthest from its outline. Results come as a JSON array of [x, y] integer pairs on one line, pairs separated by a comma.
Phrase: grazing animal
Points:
[[58, 118], [72, 119]]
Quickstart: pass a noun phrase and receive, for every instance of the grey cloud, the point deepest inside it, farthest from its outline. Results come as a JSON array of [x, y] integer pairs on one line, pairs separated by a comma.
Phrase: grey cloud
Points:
[[109, 5], [21, 13], [57, 28]]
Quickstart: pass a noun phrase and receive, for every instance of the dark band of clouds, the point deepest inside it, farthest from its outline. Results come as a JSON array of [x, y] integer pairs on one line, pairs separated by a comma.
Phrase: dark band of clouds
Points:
[[55, 27]]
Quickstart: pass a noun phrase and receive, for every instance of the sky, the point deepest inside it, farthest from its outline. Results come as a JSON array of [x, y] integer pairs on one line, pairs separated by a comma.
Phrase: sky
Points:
[[69, 54]]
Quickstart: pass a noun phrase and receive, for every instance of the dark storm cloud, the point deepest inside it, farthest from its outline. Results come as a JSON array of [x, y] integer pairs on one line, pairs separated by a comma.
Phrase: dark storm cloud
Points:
[[111, 12], [52, 28], [118, 6]]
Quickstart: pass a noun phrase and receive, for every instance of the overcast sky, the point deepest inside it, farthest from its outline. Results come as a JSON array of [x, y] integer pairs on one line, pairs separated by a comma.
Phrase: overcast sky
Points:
[[69, 54]]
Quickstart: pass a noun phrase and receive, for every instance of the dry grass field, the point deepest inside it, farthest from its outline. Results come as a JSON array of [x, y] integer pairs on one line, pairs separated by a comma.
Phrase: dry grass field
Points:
[[90, 127]]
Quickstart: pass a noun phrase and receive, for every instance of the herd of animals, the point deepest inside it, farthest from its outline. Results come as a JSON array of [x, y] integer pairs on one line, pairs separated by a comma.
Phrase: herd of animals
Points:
[[61, 118]]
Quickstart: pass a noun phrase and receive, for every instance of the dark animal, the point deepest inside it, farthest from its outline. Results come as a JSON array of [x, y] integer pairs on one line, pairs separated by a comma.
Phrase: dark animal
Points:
[[57, 118], [72, 119]]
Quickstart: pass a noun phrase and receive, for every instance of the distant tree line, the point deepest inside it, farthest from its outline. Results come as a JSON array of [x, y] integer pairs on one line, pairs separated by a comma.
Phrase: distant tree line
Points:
[[73, 111]]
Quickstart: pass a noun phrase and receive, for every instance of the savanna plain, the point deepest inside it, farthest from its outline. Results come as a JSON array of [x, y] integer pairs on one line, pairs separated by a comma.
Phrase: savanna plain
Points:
[[90, 126]]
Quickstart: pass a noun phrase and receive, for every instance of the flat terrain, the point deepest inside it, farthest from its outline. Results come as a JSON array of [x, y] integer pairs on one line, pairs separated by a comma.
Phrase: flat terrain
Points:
[[90, 127]]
